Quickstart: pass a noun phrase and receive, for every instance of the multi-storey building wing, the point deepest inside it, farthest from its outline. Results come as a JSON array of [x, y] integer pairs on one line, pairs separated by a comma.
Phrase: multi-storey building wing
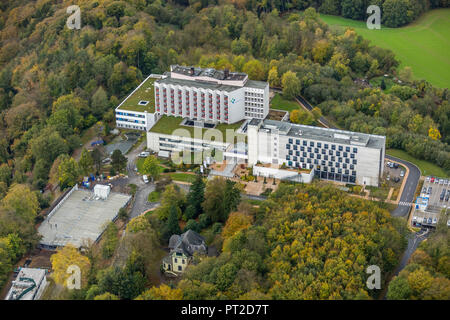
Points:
[[336, 155], [179, 108], [211, 95]]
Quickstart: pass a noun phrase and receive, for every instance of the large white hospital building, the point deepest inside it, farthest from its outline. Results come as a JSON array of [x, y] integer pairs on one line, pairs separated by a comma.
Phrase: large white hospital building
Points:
[[194, 100]]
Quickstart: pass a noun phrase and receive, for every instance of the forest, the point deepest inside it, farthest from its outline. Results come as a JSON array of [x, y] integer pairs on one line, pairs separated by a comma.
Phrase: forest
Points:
[[55, 83], [304, 242], [427, 275]]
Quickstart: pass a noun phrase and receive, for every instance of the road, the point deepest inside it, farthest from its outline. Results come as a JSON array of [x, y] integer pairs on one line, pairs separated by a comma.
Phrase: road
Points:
[[140, 203], [409, 189], [413, 242]]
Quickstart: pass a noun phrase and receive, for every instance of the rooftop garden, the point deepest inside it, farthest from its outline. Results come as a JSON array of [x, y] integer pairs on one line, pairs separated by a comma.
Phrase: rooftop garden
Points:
[[278, 102], [144, 93], [167, 124]]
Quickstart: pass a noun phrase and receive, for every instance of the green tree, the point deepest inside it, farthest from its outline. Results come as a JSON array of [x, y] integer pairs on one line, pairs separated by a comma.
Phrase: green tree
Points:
[[68, 172], [86, 162], [100, 102], [151, 167], [118, 160], [195, 198], [291, 85], [97, 159], [399, 289], [22, 202], [172, 226], [254, 69]]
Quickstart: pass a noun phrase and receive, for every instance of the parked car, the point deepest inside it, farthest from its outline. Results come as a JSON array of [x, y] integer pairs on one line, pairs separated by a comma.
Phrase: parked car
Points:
[[448, 223], [424, 190], [106, 160], [145, 178], [396, 179], [427, 179], [402, 173], [395, 165], [424, 220], [430, 221], [432, 179], [27, 263], [429, 190], [144, 154], [434, 220], [388, 164], [388, 177]]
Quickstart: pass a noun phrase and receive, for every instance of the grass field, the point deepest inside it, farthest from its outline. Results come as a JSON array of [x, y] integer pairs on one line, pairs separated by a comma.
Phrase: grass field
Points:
[[279, 103], [185, 177], [425, 167], [423, 45]]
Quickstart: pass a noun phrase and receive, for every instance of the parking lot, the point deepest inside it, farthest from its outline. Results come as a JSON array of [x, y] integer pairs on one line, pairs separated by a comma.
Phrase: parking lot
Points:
[[394, 172], [434, 196], [437, 190]]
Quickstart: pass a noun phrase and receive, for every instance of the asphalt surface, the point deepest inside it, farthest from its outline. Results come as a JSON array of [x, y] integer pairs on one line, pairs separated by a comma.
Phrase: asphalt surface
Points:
[[140, 203], [409, 189]]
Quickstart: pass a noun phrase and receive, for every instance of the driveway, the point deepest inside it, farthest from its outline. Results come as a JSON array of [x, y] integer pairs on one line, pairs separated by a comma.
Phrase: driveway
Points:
[[407, 197]]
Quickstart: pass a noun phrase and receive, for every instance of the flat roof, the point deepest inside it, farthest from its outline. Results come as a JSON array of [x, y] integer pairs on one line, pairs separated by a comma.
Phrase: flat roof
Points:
[[256, 84], [167, 124], [144, 92], [18, 287], [324, 134], [208, 72], [198, 84], [81, 217]]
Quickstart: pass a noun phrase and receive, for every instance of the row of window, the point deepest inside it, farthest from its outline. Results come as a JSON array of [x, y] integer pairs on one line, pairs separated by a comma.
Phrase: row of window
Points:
[[129, 120], [253, 94], [320, 144], [345, 154], [336, 176], [319, 157], [120, 113]]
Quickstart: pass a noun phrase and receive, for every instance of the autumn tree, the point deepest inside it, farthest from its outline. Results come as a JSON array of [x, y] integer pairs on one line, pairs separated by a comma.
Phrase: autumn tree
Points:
[[68, 172], [291, 85], [22, 202], [64, 258], [86, 162], [163, 292]]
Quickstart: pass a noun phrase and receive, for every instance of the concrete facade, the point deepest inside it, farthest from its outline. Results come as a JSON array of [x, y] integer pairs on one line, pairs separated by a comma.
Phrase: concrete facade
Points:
[[211, 95], [336, 155]]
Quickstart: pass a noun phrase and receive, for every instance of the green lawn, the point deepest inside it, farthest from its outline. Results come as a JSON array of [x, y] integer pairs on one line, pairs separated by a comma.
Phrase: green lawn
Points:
[[278, 102], [423, 45], [185, 177], [140, 163], [145, 93], [167, 124], [427, 168]]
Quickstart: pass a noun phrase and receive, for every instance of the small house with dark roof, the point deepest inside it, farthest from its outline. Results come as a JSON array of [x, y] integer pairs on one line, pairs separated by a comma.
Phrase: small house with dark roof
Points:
[[182, 248]]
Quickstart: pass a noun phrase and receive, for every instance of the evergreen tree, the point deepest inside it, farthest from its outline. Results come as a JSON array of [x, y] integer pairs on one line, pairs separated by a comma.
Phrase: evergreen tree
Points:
[[195, 197], [119, 161], [172, 227]]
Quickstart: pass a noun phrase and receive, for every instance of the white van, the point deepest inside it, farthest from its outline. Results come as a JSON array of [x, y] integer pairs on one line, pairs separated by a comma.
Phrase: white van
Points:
[[145, 178]]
